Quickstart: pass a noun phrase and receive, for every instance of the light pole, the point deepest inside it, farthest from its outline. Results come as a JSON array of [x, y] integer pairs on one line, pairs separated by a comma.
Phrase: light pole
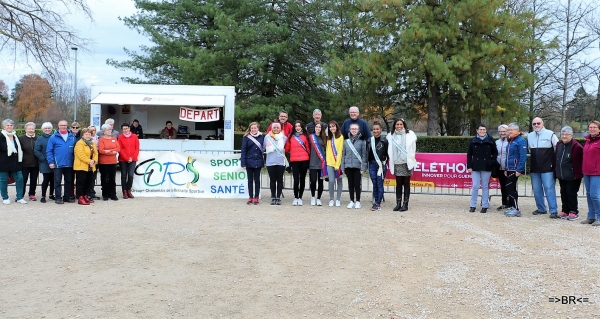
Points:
[[75, 87]]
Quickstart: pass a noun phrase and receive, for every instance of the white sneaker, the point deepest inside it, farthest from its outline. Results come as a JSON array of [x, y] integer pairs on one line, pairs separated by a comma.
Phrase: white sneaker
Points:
[[350, 205], [312, 201], [330, 203], [321, 204], [295, 203], [299, 201], [22, 201], [357, 205], [337, 203], [7, 202]]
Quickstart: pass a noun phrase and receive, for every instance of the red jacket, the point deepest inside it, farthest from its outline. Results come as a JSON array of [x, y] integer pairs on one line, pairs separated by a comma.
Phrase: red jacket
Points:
[[591, 156], [130, 147], [298, 153]]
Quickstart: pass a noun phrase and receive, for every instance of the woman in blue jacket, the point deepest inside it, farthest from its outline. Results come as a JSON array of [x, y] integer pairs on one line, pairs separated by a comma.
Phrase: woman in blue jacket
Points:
[[253, 160], [516, 156]]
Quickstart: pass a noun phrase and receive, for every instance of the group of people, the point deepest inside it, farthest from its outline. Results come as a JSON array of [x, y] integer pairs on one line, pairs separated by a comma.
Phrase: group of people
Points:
[[551, 159], [327, 152], [73, 155]]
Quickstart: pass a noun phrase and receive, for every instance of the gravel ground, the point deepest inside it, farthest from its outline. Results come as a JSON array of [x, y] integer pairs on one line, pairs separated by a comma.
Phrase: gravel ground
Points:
[[210, 258]]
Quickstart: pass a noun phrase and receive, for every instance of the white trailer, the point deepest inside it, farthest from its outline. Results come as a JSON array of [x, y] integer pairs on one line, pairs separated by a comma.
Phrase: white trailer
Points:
[[206, 111]]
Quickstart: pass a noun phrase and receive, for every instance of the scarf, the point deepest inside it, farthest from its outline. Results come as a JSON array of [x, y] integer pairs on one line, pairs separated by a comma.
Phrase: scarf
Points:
[[10, 147], [88, 142], [127, 135], [255, 136], [482, 137]]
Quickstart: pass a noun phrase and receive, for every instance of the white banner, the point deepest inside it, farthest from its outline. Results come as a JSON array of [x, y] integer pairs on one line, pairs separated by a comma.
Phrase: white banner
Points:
[[199, 115], [175, 174]]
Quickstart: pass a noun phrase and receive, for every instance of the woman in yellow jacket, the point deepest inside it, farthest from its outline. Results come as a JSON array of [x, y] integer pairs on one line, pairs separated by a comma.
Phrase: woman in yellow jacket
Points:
[[335, 146], [84, 165]]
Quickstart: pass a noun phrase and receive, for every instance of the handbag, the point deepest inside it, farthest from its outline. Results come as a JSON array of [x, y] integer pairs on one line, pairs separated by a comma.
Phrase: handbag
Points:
[[496, 170], [11, 179]]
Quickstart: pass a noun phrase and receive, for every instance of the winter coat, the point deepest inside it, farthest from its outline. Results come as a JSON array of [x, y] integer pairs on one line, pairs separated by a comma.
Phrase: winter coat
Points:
[[542, 146], [40, 152], [252, 154], [568, 160], [107, 144], [381, 147], [298, 152], [349, 158], [363, 128], [516, 154], [28, 146], [60, 152], [82, 156], [591, 156], [274, 158], [501, 144], [481, 154], [411, 148], [315, 161], [9, 163], [128, 147], [333, 160]]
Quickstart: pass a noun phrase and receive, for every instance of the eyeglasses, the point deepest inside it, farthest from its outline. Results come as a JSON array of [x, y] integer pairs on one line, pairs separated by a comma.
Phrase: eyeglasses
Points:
[[537, 123], [75, 127]]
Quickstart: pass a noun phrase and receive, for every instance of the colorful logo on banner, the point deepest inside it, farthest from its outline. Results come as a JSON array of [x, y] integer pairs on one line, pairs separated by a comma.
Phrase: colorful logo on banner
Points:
[[446, 170], [173, 174]]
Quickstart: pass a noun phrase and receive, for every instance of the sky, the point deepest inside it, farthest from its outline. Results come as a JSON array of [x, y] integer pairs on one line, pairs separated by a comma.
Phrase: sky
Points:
[[110, 36]]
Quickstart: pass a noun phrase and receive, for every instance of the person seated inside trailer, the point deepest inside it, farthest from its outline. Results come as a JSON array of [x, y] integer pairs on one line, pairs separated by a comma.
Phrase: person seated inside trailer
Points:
[[168, 132]]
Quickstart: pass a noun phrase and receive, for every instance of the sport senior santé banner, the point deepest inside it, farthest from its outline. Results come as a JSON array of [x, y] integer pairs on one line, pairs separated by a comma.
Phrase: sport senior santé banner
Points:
[[175, 174], [440, 170]]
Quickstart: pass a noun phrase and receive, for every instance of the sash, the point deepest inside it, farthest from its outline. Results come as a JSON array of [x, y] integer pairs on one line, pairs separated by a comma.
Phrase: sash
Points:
[[250, 137], [402, 149], [338, 172], [374, 149], [274, 143], [353, 149], [301, 143], [320, 154]]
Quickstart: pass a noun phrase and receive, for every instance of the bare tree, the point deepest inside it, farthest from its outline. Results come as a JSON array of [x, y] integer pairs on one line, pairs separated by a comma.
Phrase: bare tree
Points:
[[36, 31]]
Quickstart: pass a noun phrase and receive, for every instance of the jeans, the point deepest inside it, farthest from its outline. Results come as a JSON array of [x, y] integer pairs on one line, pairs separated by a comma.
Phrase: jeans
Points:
[[253, 181], [481, 178], [127, 170], [333, 182], [568, 195], [18, 176], [31, 174], [67, 172], [592, 188], [544, 183], [377, 182]]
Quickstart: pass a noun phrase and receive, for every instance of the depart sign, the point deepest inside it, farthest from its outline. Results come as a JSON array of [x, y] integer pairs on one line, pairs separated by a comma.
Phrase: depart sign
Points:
[[199, 115]]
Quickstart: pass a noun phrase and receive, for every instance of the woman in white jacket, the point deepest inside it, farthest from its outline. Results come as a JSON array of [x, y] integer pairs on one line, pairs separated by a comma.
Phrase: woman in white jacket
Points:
[[276, 161], [402, 151]]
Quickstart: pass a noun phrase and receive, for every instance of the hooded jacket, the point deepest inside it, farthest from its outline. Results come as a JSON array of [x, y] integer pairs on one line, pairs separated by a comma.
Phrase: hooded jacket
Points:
[[516, 154], [60, 151], [591, 156]]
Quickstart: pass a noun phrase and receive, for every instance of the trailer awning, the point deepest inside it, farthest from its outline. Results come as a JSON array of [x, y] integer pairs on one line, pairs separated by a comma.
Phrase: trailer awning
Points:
[[159, 99]]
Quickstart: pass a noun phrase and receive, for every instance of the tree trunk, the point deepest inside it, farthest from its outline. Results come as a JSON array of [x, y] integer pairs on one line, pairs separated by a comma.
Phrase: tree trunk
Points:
[[433, 103]]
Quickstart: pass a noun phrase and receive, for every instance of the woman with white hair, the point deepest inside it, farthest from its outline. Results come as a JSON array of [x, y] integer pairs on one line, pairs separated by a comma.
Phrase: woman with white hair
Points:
[[276, 161], [11, 156], [108, 148], [40, 152], [501, 144], [568, 162], [30, 167]]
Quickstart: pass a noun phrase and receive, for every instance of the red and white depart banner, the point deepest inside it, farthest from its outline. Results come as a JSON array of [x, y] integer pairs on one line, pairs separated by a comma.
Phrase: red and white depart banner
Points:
[[447, 170], [199, 115]]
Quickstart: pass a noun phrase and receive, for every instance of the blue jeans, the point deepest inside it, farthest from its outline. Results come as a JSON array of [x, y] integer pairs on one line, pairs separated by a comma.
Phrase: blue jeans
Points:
[[377, 182], [67, 172], [592, 190], [18, 176], [544, 183], [481, 178]]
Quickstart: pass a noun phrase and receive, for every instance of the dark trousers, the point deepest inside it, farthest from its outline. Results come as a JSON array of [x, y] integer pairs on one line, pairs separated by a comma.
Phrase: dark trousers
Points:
[[502, 180], [108, 174], [32, 174], [253, 181], [354, 184], [48, 180], [127, 170], [276, 180], [402, 183], [316, 183], [92, 192], [299, 170], [568, 195], [67, 172], [511, 188], [84, 181]]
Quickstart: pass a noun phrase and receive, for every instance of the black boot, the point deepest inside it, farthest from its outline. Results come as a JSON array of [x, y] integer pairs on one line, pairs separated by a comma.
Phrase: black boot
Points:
[[405, 205], [398, 205]]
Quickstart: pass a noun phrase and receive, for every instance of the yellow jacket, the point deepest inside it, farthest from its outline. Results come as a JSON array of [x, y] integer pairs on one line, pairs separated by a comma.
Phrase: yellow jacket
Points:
[[82, 156], [339, 146]]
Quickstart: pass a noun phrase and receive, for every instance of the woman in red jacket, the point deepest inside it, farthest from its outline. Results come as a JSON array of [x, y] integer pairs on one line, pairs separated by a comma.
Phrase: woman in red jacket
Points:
[[299, 149], [128, 156], [591, 173]]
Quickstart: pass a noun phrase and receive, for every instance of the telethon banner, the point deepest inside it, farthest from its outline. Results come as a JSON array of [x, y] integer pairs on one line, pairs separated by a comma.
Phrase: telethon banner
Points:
[[175, 174], [447, 170]]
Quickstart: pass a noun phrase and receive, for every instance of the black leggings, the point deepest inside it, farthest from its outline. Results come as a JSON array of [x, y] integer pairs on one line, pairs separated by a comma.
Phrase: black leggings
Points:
[[48, 180], [502, 180], [402, 182], [276, 179], [354, 185], [253, 181], [511, 189], [299, 170], [316, 182]]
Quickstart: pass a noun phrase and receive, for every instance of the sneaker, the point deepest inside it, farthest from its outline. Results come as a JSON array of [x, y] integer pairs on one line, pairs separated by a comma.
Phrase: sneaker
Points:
[[509, 210], [331, 203], [350, 205], [588, 221], [319, 202], [337, 203], [537, 212], [300, 202], [250, 201], [273, 201], [596, 223], [295, 203], [471, 209], [22, 201], [59, 201], [255, 201], [573, 216], [483, 210], [513, 213], [43, 199], [378, 207], [554, 215], [313, 201], [373, 208], [32, 198], [502, 207], [563, 215], [277, 201], [6, 201], [52, 197], [357, 205]]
